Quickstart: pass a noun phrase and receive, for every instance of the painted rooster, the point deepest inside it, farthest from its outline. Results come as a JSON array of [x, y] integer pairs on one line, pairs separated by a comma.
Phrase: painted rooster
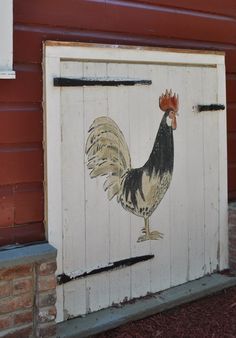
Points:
[[139, 190]]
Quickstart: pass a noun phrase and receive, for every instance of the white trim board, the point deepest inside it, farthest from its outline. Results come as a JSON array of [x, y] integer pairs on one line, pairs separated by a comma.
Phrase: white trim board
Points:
[[116, 53], [6, 39]]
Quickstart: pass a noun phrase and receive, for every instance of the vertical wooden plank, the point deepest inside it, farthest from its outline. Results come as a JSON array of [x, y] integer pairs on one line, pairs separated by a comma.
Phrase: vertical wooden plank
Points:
[[223, 202], [178, 189], [195, 175], [119, 219], [211, 170], [73, 195], [139, 111], [97, 209], [52, 162], [160, 219]]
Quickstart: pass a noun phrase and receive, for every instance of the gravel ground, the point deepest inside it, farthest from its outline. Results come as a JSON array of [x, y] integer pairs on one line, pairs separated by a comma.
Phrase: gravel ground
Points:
[[213, 316]]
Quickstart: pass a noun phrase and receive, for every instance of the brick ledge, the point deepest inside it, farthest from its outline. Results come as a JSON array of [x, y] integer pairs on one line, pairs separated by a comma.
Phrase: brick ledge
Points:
[[26, 255]]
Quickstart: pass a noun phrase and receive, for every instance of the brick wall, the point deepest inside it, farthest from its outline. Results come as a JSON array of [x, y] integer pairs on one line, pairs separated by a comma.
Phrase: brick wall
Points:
[[27, 300], [232, 237]]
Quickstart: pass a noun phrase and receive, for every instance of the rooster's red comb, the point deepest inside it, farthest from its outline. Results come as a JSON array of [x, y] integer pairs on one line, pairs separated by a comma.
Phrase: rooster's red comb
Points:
[[169, 101]]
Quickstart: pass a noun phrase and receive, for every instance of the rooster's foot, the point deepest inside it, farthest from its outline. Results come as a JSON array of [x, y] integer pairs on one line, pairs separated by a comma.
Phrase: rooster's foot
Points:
[[153, 235], [156, 235]]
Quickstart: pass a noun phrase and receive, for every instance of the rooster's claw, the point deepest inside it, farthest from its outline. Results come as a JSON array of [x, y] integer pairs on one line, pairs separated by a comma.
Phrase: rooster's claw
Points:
[[154, 235]]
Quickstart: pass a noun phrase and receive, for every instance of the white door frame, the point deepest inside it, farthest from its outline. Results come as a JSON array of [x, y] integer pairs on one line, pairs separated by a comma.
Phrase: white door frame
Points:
[[54, 52]]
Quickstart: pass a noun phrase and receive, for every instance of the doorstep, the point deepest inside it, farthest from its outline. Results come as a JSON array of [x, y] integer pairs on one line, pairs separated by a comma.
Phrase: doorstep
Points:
[[112, 317]]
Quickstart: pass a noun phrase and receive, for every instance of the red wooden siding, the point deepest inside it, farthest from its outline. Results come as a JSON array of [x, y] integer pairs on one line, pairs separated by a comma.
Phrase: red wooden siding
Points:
[[167, 23]]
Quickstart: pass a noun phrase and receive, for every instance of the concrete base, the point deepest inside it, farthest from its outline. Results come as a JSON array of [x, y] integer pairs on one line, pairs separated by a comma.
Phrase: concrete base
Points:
[[112, 317]]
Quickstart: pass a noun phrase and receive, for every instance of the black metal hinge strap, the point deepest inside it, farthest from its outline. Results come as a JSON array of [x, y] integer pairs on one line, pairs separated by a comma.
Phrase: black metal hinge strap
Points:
[[210, 107], [80, 82], [65, 278]]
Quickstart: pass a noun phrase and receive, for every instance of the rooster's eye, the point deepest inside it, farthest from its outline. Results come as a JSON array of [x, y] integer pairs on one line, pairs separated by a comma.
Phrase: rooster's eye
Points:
[[171, 114]]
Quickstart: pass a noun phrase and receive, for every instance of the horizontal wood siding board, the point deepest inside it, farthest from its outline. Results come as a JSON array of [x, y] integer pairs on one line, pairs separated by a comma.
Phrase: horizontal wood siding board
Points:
[[27, 87], [28, 187], [232, 176], [125, 16], [21, 203], [24, 33], [29, 202], [231, 118], [227, 8], [231, 128], [25, 126], [230, 57], [20, 107], [7, 207], [29, 206], [231, 88], [21, 166], [22, 234], [232, 195], [232, 147]]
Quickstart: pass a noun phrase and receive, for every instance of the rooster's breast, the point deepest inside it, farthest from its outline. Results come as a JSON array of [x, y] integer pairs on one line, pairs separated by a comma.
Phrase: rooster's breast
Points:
[[141, 198]]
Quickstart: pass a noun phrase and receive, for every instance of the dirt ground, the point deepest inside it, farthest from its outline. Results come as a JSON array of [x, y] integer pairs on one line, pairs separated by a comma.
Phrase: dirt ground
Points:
[[210, 317]]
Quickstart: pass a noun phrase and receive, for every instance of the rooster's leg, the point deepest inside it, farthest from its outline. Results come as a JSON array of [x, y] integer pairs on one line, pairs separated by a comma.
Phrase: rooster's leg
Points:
[[147, 234]]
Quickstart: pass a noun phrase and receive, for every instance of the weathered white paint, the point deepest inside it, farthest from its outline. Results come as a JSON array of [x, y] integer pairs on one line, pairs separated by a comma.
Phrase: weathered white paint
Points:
[[178, 237], [222, 193], [53, 197], [87, 229], [117, 53], [6, 37], [71, 136], [210, 157], [97, 208], [120, 231]]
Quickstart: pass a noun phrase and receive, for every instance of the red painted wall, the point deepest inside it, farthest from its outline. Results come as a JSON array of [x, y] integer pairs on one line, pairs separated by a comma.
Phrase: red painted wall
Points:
[[168, 23]]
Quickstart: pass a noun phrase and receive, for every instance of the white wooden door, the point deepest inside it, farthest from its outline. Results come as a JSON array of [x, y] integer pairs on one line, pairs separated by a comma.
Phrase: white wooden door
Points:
[[96, 232]]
